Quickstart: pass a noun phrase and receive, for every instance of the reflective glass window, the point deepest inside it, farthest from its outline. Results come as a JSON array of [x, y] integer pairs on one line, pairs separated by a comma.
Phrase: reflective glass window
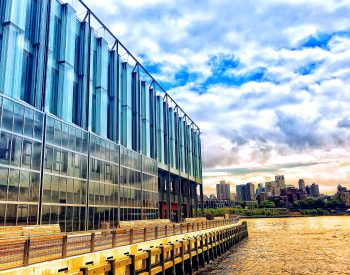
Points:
[[54, 214], [11, 211], [55, 189], [38, 125], [63, 190], [18, 119], [58, 133], [34, 187], [36, 156], [46, 188], [13, 185], [27, 153], [24, 186], [2, 214], [65, 135], [45, 215], [64, 162], [16, 151], [76, 218], [48, 158], [3, 183], [56, 160], [50, 130], [69, 218], [70, 190], [83, 185], [5, 145], [28, 122], [62, 217], [72, 138], [33, 214], [7, 115], [22, 214]]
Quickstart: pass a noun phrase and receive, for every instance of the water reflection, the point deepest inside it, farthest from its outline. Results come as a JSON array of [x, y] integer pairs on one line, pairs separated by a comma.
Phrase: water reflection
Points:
[[313, 245]]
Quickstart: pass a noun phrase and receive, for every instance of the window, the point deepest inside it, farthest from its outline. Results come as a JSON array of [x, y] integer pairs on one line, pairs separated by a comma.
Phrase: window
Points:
[[24, 186], [33, 214], [5, 142], [34, 187], [13, 185], [36, 156], [11, 214], [22, 214], [26, 81], [18, 118], [64, 163], [16, 150], [3, 183], [7, 115], [56, 160], [27, 153], [28, 122]]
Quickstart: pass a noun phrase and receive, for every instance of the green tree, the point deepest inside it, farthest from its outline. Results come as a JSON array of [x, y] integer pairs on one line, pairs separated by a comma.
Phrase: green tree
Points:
[[267, 204]]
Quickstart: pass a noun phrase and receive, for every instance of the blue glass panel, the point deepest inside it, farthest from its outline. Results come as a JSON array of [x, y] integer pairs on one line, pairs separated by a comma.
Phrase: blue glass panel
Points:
[[11, 60], [3, 183], [160, 130], [7, 115], [15, 12], [5, 147], [18, 119], [126, 138], [29, 122]]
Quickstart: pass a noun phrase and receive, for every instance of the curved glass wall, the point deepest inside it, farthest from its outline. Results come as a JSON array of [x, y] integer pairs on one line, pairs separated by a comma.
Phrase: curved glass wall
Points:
[[59, 63]]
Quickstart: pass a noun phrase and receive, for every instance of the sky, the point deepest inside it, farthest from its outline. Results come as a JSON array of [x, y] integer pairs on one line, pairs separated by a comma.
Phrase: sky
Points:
[[266, 81]]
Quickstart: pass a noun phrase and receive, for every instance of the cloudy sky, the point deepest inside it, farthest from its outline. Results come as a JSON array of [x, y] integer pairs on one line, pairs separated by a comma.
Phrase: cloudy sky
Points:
[[266, 81]]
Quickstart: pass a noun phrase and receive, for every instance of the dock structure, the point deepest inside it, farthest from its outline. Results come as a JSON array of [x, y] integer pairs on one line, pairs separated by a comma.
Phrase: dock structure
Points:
[[169, 249]]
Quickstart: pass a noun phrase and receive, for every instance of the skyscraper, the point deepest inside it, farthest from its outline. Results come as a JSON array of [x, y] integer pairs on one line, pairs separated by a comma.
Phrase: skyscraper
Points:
[[314, 190], [223, 190], [87, 135], [301, 184], [280, 182], [245, 192]]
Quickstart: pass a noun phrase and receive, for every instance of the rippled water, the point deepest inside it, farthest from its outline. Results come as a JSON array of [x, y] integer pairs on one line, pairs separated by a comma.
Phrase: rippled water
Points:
[[306, 245]]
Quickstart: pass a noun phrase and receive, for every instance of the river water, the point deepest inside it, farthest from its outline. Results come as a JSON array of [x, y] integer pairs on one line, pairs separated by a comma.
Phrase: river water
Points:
[[305, 245]]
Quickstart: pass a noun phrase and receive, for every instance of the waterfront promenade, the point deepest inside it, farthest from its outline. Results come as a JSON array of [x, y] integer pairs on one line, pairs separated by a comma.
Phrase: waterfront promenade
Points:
[[181, 246]]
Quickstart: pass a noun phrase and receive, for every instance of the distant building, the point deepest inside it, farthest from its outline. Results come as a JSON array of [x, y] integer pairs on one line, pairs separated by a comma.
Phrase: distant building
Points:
[[343, 195], [292, 195], [272, 189], [301, 184], [245, 192], [260, 189], [281, 184], [233, 197], [212, 197], [314, 190], [261, 197], [223, 190], [308, 190]]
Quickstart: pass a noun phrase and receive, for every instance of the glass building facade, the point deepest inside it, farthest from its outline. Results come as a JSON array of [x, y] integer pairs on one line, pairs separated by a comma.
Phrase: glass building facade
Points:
[[87, 136]]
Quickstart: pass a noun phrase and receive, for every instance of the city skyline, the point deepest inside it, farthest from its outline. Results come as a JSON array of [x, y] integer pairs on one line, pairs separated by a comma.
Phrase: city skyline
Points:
[[256, 185], [268, 92]]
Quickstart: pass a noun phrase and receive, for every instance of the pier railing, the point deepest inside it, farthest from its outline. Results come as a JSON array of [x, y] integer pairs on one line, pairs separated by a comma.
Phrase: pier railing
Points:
[[23, 251]]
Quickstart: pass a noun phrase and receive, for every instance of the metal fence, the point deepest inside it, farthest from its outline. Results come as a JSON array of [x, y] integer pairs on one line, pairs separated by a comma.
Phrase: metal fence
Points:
[[23, 251]]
